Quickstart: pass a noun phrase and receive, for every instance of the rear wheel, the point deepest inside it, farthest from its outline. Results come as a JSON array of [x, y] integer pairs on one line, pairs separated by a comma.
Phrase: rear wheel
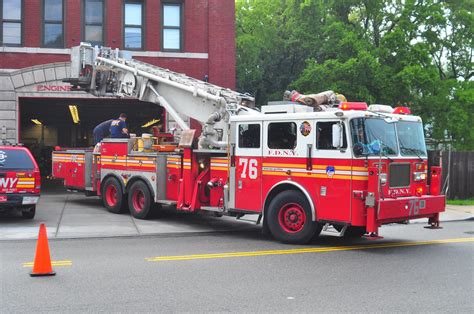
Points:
[[112, 196], [139, 200], [290, 218], [29, 212]]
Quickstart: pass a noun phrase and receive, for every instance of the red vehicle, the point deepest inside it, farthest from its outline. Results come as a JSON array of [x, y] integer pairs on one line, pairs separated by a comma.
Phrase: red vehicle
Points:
[[298, 167], [20, 180]]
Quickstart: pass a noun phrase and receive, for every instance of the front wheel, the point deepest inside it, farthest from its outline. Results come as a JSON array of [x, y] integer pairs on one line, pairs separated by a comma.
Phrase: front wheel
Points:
[[290, 218], [139, 200]]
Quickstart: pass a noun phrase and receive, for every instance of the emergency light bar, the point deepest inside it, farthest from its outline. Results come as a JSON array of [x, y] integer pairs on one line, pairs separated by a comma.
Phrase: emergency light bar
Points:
[[381, 108], [353, 106]]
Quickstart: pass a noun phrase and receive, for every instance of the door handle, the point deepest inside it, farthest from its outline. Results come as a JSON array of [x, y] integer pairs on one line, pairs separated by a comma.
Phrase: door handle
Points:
[[309, 158]]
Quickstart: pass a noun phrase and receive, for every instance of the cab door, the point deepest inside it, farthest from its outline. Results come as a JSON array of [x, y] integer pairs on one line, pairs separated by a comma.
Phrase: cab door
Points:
[[333, 169], [248, 166]]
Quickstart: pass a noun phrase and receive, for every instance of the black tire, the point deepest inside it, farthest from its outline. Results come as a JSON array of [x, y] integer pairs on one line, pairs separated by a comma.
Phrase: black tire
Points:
[[351, 231], [112, 196], [29, 213], [140, 200], [290, 219]]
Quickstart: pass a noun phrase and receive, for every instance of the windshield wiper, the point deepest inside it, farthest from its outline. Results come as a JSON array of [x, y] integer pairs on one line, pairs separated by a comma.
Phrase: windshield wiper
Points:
[[409, 149]]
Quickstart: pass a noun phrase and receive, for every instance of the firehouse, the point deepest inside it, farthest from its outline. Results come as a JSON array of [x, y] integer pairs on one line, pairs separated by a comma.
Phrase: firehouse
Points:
[[300, 164]]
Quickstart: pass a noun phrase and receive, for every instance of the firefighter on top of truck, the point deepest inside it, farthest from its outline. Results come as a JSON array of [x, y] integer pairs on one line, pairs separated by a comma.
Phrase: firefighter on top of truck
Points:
[[118, 127], [101, 130]]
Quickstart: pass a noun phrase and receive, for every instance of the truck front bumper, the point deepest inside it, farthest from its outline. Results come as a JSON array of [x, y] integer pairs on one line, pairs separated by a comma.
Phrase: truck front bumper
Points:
[[405, 208]]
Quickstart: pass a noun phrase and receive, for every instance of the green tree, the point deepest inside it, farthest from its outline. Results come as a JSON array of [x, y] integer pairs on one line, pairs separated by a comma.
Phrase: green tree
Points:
[[413, 52]]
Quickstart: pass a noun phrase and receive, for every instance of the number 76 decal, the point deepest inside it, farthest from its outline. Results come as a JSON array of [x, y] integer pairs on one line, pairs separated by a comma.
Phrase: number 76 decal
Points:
[[249, 165]]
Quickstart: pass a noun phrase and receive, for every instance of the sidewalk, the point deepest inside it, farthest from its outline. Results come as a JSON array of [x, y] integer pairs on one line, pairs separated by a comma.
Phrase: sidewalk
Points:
[[457, 212]]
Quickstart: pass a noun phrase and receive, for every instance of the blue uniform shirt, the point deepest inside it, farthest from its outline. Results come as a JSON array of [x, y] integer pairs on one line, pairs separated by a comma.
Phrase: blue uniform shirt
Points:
[[103, 127], [116, 128], [101, 130]]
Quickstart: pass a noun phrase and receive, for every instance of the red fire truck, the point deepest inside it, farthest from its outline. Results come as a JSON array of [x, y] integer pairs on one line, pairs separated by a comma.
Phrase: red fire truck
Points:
[[300, 167]]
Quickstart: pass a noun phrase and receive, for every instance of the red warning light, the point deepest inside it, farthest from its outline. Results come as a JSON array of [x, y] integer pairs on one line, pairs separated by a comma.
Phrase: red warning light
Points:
[[353, 106], [402, 110]]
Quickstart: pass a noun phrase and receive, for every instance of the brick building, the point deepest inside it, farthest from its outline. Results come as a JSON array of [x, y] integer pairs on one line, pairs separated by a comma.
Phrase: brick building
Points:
[[196, 37]]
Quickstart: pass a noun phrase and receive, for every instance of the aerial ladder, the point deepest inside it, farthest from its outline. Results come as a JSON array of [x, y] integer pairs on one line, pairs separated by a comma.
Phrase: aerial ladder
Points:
[[111, 72]]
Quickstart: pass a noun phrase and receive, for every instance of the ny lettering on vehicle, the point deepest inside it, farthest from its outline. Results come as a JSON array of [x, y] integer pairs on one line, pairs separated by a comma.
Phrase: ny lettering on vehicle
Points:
[[8, 183]]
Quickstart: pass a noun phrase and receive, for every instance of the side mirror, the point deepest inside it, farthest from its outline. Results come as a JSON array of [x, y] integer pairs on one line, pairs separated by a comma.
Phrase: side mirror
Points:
[[337, 138]]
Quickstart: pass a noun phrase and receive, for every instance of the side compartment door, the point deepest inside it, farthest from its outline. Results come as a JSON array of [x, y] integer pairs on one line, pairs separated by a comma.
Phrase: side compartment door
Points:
[[248, 166]]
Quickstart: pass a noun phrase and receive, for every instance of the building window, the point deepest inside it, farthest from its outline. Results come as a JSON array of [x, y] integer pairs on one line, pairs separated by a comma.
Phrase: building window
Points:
[[172, 26], [53, 30], [93, 21], [282, 135], [11, 24], [133, 26]]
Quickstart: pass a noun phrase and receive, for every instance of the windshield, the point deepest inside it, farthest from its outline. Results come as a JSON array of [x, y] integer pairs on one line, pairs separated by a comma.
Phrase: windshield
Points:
[[411, 138], [15, 159], [372, 136]]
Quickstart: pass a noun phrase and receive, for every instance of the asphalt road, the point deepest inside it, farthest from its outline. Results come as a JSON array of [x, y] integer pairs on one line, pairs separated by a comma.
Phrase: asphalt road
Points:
[[408, 271]]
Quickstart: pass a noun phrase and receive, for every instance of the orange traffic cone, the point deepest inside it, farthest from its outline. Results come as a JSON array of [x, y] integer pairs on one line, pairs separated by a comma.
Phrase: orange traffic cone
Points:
[[42, 265]]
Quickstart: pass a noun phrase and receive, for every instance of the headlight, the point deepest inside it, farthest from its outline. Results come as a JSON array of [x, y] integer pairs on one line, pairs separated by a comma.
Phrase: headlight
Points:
[[419, 176], [383, 178]]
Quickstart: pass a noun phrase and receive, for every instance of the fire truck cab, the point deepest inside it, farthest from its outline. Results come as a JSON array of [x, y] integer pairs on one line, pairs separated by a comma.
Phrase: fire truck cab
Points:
[[355, 169]]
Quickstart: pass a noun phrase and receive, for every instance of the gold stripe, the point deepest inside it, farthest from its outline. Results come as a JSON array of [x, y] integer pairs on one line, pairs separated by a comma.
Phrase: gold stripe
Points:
[[305, 250], [220, 168], [271, 164], [315, 175], [140, 158], [69, 160], [114, 163], [303, 166], [173, 166]]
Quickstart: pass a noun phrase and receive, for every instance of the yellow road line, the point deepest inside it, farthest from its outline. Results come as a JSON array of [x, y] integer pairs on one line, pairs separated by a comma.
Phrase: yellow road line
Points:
[[53, 263], [304, 250]]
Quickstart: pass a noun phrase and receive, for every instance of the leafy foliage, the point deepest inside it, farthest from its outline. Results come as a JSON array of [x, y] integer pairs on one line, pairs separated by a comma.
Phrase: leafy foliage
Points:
[[413, 52]]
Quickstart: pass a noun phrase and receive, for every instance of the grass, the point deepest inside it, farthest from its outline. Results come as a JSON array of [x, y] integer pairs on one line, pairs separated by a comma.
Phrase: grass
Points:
[[469, 201]]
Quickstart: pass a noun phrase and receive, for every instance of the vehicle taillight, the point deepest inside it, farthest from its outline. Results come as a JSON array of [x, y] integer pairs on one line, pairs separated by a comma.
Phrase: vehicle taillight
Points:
[[37, 177]]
